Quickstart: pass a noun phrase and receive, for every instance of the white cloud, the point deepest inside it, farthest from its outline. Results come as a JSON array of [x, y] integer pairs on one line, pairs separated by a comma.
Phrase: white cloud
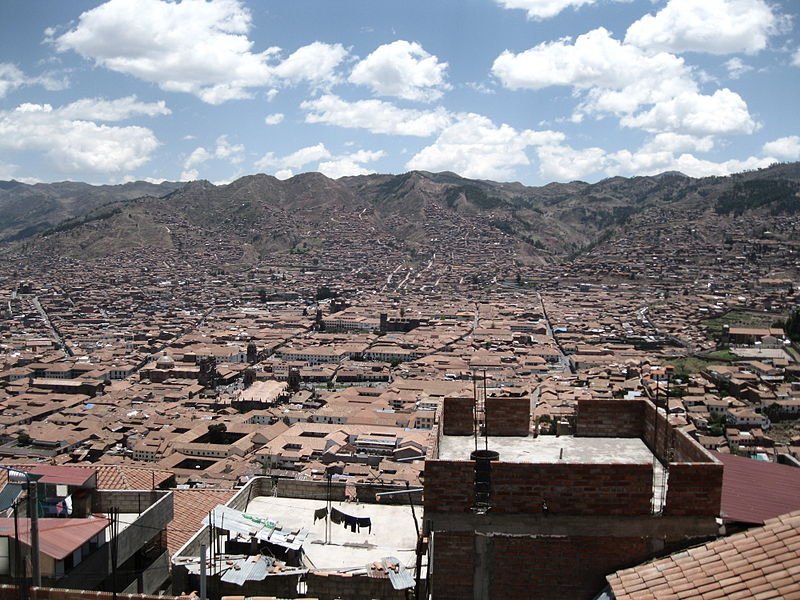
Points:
[[315, 63], [189, 175], [786, 148], [295, 160], [198, 156], [351, 164], [736, 67], [274, 119], [655, 91], [796, 58], [193, 46], [73, 143], [564, 163], [475, 147], [675, 142], [11, 78], [595, 59], [328, 164], [721, 113], [100, 109], [402, 69], [223, 150], [376, 116], [544, 9], [713, 26]]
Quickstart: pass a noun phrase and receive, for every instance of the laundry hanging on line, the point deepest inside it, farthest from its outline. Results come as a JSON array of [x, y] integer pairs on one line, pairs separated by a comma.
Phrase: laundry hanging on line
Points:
[[350, 522], [320, 513]]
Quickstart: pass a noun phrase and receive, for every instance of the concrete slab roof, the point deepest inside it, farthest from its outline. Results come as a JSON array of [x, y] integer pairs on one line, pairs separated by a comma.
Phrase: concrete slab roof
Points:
[[392, 532], [551, 449]]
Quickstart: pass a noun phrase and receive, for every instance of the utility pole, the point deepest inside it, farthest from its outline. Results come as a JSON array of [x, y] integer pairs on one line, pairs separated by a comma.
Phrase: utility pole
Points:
[[17, 476], [33, 507]]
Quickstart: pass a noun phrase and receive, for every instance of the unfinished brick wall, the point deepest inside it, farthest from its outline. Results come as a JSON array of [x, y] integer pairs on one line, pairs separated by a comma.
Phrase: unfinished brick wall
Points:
[[601, 489], [330, 586], [609, 418], [449, 485], [453, 565], [570, 489], [694, 489], [558, 568], [457, 416], [508, 416]]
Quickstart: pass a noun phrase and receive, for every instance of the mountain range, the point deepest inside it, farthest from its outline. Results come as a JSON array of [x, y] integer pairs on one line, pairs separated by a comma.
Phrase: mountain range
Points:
[[261, 215]]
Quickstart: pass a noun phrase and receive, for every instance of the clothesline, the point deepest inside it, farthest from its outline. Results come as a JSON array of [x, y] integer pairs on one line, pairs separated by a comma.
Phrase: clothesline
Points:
[[340, 518]]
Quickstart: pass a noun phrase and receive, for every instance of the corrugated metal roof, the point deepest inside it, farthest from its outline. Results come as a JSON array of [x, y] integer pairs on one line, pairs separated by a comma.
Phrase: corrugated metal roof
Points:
[[754, 491], [58, 538], [392, 569], [264, 529], [77, 476], [253, 568]]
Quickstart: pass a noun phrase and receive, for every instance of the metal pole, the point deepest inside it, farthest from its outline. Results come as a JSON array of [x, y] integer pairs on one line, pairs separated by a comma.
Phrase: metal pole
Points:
[[34, 500], [17, 565], [202, 572]]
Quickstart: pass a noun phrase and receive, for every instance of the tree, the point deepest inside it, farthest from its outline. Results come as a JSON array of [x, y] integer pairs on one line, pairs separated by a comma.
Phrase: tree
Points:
[[216, 432], [792, 326], [773, 412], [23, 439], [716, 424], [324, 292]]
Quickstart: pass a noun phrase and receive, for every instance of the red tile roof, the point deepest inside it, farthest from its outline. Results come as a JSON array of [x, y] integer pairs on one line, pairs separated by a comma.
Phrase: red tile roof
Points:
[[754, 491], [190, 507], [109, 477], [763, 562]]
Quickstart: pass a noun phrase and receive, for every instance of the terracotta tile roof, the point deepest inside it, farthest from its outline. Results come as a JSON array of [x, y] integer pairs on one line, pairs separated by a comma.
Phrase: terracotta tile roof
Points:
[[118, 477], [109, 477], [189, 509], [763, 562]]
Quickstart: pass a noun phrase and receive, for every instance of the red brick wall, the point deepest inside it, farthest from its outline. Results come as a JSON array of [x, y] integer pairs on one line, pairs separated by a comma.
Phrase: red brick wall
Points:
[[449, 485], [559, 568], [508, 416], [457, 416], [603, 489], [571, 489], [694, 489], [453, 556], [610, 418]]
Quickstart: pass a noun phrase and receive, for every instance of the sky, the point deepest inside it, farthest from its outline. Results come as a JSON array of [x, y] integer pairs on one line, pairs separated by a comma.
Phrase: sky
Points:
[[509, 90]]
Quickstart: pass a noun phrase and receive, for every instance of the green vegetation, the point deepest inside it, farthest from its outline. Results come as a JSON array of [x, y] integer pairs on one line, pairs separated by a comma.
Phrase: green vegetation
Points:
[[792, 326], [721, 355], [779, 195], [737, 318], [689, 365]]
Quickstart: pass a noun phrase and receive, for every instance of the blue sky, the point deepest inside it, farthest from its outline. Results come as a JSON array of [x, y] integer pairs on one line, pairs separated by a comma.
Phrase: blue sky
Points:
[[510, 90]]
